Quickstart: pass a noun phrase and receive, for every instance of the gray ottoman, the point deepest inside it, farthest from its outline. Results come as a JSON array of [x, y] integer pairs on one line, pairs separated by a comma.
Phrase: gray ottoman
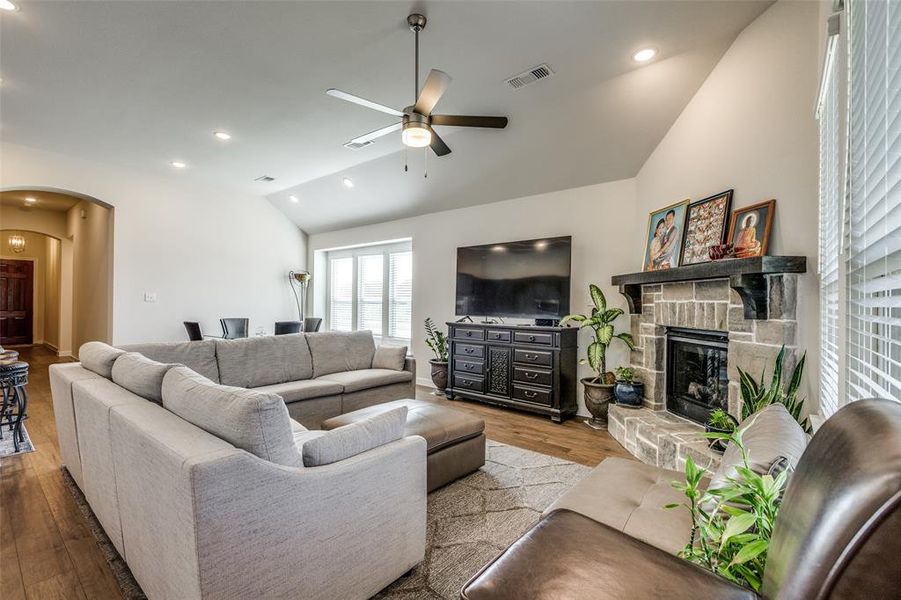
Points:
[[455, 439]]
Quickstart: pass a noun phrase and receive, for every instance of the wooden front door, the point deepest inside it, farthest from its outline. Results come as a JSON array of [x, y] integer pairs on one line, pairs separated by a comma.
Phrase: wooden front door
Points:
[[16, 293]]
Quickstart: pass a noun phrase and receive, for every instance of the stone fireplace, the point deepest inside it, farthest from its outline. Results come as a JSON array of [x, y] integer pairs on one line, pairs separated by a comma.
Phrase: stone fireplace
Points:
[[692, 335]]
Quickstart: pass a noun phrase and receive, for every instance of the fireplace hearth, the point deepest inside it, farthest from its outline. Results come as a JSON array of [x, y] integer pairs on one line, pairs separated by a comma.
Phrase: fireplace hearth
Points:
[[697, 381]]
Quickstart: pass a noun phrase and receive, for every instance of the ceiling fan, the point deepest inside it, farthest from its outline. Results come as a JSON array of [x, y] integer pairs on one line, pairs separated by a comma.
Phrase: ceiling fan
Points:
[[417, 120]]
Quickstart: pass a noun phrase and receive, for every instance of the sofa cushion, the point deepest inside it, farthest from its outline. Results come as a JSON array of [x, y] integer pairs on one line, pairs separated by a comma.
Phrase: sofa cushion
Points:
[[363, 379], [141, 376], [390, 357], [629, 496], [292, 391], [350, 440], [256, 361], [253, 421], [199, 356], [99, 358], [336, 351], [768, 435]]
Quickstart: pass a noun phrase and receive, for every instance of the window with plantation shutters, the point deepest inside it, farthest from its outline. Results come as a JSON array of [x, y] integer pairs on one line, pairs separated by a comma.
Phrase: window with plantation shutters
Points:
[[874, 201], [371, 288]]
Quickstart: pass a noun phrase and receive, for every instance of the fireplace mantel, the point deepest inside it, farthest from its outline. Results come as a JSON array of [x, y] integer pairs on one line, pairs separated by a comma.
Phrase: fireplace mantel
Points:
[[747, 276]]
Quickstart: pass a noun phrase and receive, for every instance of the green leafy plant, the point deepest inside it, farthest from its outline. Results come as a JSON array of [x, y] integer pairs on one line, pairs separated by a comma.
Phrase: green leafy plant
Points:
[[625, 374], [436, 340], [720, 419], [755, 395], [601, 321], [731, 525]]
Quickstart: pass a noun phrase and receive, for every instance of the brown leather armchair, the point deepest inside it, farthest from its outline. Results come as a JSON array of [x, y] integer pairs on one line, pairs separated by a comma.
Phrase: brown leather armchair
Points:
[[838, 534]]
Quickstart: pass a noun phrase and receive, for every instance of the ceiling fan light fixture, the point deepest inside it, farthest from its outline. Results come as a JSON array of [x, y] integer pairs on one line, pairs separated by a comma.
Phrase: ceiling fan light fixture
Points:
[[416, 135]]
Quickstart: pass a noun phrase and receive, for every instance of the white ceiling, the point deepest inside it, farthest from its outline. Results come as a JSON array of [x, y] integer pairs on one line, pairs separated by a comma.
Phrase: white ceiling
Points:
[[143, 83]]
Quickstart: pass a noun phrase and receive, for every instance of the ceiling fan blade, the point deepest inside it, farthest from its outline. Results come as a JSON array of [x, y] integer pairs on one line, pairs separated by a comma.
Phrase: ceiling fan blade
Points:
[[438, 145], [335, 93], [368, 137], [435, 85], [468, 121]]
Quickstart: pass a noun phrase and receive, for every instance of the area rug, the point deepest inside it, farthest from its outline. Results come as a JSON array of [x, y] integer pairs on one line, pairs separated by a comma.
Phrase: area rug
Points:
[[8, 447], [469, 521]]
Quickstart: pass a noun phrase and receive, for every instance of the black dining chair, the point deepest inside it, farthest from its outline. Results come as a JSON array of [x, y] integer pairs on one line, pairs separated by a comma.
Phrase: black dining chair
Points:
[[285, 327], [312, 324], [194, 332], [234, 328]]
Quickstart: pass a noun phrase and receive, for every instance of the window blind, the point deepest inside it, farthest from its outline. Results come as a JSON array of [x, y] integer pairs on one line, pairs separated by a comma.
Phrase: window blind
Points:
[[340, 307], [369, 293], [400, 296], [874, 201]]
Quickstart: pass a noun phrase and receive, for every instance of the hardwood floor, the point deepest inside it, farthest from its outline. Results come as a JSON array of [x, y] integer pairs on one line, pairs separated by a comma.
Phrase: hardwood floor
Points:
[[47, 551]]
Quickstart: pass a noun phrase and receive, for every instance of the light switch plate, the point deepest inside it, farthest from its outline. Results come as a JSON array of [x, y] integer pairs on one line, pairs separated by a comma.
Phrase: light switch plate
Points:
[[149, 296]]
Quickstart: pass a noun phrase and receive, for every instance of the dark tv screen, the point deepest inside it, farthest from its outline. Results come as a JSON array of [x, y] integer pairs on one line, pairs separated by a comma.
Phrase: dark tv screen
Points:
[[527, 279]]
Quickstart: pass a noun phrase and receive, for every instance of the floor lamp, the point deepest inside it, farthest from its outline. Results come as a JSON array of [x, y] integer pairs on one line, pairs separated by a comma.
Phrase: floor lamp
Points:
[[300, 279]]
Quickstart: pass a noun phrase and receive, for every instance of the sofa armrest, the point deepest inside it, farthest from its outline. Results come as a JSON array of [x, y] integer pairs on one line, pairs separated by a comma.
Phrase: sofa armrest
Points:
[[410, 365], [343, 530], [567, 555]]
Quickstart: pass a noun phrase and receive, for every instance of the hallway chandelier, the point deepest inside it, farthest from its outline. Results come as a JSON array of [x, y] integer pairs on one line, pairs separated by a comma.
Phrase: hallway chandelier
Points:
[[17, 243]]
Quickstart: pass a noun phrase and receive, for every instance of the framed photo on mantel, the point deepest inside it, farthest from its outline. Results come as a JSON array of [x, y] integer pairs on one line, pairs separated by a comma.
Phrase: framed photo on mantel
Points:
[[705, 226], [663, 240], [749, 230]]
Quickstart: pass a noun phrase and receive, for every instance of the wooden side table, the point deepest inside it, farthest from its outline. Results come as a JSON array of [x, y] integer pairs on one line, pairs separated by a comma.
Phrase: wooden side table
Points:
[[13, 379]]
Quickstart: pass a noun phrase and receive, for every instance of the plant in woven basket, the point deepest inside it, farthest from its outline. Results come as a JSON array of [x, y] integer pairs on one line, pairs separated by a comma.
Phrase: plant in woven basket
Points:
[[731, 524]]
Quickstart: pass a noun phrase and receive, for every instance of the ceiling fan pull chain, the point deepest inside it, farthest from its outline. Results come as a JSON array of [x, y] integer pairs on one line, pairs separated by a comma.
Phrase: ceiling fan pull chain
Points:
[[426, 166], [406, 163]]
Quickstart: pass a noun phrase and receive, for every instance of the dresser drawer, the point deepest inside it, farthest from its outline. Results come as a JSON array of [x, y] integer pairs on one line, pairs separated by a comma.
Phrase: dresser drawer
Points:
[[470, 350], [533, 376], [527, 337], [472, 383], [497, 335], [465, 333], [533, 357], [527, 394], [468, 366]]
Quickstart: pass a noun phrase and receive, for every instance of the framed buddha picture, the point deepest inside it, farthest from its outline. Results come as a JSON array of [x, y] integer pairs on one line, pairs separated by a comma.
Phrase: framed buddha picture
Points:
[[749, 229]]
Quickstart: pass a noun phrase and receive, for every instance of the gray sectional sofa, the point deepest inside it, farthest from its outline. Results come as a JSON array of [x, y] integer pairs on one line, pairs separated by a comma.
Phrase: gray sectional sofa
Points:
[[209, 489]]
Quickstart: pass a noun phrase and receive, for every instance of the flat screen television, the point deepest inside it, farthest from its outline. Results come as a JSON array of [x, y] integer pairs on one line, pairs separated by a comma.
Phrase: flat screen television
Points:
[[528, 279]]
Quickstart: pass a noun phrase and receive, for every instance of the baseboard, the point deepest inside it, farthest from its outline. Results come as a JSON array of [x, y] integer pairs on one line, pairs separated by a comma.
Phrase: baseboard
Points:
[[425, 382]]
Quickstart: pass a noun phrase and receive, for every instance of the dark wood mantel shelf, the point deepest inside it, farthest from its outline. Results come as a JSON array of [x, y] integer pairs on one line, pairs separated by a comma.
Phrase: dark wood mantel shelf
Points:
[[747, 276]]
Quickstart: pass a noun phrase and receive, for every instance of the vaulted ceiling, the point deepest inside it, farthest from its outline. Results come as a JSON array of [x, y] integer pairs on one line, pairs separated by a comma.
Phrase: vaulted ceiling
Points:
[[144, 83]]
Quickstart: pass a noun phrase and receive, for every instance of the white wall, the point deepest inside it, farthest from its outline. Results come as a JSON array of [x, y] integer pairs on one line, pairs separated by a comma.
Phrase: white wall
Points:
[[592, 215], [751, 127], [205, 251]]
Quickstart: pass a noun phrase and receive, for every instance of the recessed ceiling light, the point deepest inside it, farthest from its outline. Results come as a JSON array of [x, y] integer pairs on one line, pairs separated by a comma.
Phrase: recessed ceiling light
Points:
[[347, 182], [30, 200], [644, 55], [222, 135], [178, 164], [294, 199], [7, 5]]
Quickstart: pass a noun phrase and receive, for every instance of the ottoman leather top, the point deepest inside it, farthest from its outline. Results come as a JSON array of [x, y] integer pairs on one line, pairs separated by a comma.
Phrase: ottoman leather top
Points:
[[441, 426]]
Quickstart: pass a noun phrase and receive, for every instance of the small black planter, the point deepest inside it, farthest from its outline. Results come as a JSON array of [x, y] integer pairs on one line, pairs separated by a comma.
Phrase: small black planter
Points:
[[629, 393]]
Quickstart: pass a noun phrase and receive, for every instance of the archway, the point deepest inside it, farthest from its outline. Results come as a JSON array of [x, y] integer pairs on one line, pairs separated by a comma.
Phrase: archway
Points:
[[77, 235]]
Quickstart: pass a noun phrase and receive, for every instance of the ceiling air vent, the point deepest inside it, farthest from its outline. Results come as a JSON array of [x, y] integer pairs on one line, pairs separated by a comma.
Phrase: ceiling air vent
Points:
[[542, 71], [358, 145], [264, 179]]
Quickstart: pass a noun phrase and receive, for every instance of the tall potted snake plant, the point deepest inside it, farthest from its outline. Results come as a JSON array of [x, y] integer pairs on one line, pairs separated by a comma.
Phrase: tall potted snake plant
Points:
[[437, 342], [599, 388]]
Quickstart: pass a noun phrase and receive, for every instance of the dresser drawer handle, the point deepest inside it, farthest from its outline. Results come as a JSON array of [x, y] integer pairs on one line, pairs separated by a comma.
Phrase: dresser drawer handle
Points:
[[468, 334], [531, 357], [531, 375], [468, 366], [468, 350], [529, 394], [466, 382], [497, 336], [531, 338]]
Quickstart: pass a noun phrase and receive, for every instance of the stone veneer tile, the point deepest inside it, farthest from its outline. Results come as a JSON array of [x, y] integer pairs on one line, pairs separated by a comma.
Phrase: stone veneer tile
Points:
[[661, 439], [783, 296], [775, 332], [754, 358], [737, 321], [722, 316], [678, 291], [715, 290], [636, 356], [651, 289], [635, 325], [654, 352]]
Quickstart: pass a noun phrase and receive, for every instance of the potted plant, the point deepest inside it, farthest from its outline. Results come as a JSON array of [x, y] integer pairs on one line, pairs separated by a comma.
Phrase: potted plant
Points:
[[719, 421], [599, 389], [628, 391], [437, 341], [755, 395]]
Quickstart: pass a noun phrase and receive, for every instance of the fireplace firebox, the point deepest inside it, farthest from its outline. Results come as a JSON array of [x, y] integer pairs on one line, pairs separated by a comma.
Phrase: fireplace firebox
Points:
[[697, 380]]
